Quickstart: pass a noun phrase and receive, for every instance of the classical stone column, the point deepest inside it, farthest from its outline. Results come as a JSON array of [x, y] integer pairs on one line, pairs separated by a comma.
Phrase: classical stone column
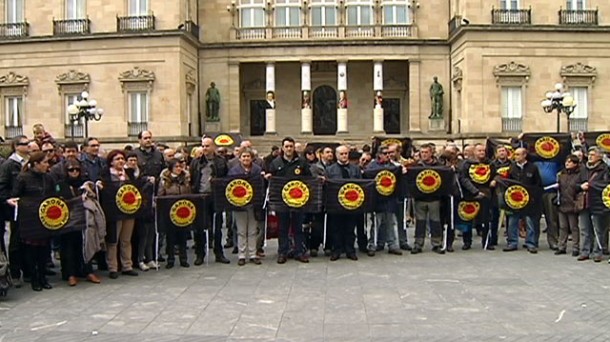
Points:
[[342, 106], [233, 99], [414, 96], [270, 96], [378, 92], [306, 112]]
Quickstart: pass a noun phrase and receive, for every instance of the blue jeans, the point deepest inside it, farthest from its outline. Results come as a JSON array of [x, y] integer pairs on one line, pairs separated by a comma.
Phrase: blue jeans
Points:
[[533, 230], [386, 222], [592, 230], [286, 220]]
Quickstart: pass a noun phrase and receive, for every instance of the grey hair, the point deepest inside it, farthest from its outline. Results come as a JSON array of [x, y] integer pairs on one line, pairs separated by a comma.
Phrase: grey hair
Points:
[[246, 150]]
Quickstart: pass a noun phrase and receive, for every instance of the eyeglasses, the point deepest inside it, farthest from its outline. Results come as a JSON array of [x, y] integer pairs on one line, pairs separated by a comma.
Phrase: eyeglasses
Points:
[[23, 144], [385, 153], [94, 145], [73, 169], [48, 151]]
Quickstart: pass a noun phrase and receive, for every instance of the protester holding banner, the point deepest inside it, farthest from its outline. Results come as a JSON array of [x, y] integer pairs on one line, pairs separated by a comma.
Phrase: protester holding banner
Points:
[[202, 170], [593, 220], [290, 165], [528, 175], [315, 236], [73, 264], [342, 225], [175, 180], [120, 228], [502, 165], [34, 181], [245, 219], [394, 152], [571, 202]]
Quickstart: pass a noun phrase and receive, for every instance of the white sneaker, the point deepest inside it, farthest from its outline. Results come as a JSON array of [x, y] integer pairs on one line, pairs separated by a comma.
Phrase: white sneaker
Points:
[[153, 264], [143, 266]]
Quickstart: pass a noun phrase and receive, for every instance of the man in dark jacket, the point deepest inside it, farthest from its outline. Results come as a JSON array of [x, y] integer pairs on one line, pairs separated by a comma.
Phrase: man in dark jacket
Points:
[[290, 165], [502, 164], [343, 224], [9, 170], [92, 164], [527, 173], [593, 226], [58, 172], [150, 160], [203, 169]]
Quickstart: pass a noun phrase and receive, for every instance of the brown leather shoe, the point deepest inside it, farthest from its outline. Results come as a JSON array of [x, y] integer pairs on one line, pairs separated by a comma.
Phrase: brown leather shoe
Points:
[[281, 259], [92, 278], [302, 259], [72, 281]]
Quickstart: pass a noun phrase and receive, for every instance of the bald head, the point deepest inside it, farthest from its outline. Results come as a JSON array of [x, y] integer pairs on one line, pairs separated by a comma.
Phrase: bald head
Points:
[[520, 155], [342, 153], [246, 144], [469, 152], [208, 146]]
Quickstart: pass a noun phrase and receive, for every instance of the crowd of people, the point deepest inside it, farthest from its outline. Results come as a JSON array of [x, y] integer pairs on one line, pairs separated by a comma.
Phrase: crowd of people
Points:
[[42, 167]]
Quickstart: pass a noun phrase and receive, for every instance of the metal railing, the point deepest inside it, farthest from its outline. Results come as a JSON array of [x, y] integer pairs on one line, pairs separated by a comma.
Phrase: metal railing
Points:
[[577, 125], [578, 17], [326, 32], [359, 31], [511, 124], [135, 23], [134, 128], [192, 28], [12, 131], [511, 16], [71, 27], [14, 30], [79, 130], [392, 31], [251, 33], [287, 32], [323, 31]]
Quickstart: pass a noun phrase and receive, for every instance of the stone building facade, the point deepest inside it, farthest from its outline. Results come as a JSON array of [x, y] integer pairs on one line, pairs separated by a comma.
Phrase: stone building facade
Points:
[[351, 68]]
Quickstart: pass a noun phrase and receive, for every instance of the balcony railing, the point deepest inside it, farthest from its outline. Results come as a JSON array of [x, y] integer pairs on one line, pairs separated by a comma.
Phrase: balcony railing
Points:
[[359, 31], [135, 23], [192, 28], [134, 128], [79, 130], [251, 33], [71, 27], [12, 131], [287, 32], [577, 125], [14, 30], [578, 17], [511, 16], [511, 124], [396, 31], [323, 31]]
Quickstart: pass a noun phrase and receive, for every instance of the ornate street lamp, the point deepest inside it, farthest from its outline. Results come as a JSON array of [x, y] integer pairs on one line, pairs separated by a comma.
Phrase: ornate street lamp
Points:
[[86, 109], [559, 102]]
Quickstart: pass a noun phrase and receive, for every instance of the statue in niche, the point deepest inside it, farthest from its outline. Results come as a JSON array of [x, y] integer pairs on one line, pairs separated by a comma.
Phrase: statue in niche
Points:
[[378, 99], [306, 100], [212, 102], [270, 103], [436, 99], [342, 99]]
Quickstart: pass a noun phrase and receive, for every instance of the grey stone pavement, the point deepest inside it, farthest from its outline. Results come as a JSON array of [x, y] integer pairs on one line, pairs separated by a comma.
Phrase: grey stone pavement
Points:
[[465, 296]]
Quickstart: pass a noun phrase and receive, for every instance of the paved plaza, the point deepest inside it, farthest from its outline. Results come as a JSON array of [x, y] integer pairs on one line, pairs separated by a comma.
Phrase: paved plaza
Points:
[[465, 296]]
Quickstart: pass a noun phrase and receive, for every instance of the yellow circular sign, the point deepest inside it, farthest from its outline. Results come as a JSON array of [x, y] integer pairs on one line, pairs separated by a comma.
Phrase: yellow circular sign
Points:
[[391, 141], [503, 171], [547, 147], [428, 181], [351, 196], [467, 211], [128, 199], [510, 152], [606, 196], [53, 213], [603, 141], [480, 173], [183, 213], [295, 194], [385, 182], [239, 192], [224, 140], [516, 197]]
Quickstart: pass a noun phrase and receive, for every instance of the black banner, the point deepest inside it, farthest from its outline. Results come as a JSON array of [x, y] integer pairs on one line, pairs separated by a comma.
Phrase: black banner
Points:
[[348, 196], [467, 211], [599, 197], [599, 139], [405, 143], [42, 218], [122, 200], [492, 144], [520, 198], [387, 180], [301, 194], [180, 211], [237, 192], [550, 147], [429, 183]]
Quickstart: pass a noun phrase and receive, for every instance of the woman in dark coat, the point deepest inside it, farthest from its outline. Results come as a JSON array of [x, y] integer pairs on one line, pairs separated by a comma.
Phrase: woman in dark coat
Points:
[[570, 205], [34, 181], [71, 246]]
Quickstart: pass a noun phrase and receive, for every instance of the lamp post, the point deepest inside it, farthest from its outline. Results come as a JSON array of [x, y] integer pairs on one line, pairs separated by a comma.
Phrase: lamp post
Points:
[[86, 109], [559, 102]]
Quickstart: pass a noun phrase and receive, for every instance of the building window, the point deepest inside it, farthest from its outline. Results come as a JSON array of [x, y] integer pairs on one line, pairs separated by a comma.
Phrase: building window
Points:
[[287, 13], [323, 13], [512, 109], [575, 5], [359, 12], [396, 12], [72, 129], [189, 112], [251, 13], [14, 11], [580, 116], [13, 116], [138, 8], [509, 4], [75, 9], [138, 112]]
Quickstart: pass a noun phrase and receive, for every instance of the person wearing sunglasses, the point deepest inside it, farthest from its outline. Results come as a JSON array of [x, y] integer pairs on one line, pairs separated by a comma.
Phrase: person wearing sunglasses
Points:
[[58, 171]]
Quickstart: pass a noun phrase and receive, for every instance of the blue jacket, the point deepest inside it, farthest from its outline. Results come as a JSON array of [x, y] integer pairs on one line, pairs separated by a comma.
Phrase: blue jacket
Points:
[[548, 173]]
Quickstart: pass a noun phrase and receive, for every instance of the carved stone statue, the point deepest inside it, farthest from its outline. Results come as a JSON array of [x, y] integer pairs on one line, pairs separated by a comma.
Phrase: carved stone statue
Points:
[[342, 99], [212, 102], [306, 100], [436, 99], [270, 100], [378, 103]]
